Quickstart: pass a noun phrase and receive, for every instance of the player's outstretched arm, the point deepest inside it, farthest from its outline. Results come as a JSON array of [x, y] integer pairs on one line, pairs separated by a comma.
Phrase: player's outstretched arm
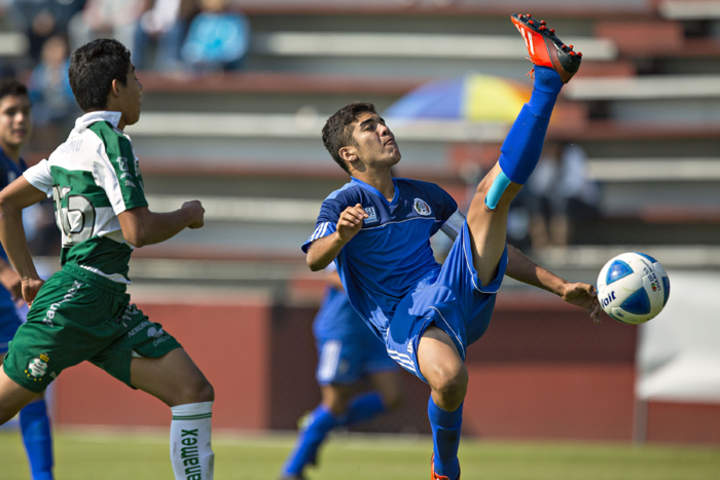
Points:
[[141, 227], [13, 198], [324, 250], [521, 268]]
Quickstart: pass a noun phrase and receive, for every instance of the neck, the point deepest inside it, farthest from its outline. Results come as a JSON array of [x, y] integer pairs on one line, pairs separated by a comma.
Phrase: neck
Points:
[[12, 152], [380, 180]]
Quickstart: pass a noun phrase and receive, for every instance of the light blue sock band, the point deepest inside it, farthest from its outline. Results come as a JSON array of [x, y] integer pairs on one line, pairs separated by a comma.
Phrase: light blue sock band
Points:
[[497, 189]]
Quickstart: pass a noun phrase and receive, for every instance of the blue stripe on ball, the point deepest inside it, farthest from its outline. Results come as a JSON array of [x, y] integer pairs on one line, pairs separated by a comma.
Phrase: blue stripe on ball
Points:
[[638, 303], [617, 270], [647, 256], [666, 289]]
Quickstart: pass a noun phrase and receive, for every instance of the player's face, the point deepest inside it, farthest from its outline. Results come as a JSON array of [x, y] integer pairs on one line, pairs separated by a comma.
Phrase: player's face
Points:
[[130, 96], [374, 141], [14, 121]]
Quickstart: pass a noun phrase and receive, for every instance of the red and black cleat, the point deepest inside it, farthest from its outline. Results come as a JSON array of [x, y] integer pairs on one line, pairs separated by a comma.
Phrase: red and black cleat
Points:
[[545, 48], [435, 476]]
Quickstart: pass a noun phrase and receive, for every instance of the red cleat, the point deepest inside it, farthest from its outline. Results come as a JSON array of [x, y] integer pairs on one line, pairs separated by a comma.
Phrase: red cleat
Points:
[[435, 476], [545, 48]]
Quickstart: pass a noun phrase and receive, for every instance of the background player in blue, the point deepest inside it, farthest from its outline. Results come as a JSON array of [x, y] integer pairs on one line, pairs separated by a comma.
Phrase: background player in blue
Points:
[[15, 130], [348, 353], [377, 228]]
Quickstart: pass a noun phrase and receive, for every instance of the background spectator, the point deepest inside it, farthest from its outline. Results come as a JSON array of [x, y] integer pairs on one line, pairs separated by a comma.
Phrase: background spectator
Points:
[[218, 39], [106, 18], [41, 19], [566, 196], [53, 102], [163, 24]]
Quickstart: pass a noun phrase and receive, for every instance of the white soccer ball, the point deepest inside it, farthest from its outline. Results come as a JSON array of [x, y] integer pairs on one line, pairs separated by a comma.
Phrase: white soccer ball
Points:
[[633, 287]]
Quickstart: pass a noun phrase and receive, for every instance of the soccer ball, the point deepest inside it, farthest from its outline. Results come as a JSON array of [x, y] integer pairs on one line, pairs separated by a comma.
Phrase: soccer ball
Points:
[[633, 287]]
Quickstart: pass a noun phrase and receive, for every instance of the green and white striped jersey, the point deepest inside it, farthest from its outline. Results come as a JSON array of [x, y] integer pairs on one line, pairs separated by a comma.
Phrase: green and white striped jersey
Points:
[[93, 176]]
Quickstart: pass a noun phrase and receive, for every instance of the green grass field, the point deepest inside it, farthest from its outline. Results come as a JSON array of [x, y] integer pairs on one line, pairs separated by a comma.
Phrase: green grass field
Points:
[[112, 455]]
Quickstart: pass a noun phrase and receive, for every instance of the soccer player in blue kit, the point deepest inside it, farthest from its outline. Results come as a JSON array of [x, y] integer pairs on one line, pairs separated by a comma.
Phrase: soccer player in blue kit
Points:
[[376, 229], [15, 130], [348, 353]]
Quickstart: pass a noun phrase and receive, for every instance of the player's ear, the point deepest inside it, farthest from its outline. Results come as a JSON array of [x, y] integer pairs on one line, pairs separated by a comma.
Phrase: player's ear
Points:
[[348, 154]]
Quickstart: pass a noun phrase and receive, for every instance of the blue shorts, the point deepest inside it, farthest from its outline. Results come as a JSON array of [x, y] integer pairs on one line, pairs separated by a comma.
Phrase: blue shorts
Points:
[[349, 358], [455, 302], [10, 321]]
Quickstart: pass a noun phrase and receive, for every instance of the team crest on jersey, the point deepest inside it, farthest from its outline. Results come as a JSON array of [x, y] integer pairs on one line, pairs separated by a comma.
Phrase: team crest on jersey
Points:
[[421, 207], [37, 368], [372, 215]]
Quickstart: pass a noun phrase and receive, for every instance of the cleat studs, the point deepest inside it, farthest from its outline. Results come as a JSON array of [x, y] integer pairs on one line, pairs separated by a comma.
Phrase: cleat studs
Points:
[[571, 46], [531, 22], [552, 30], [543, 22]]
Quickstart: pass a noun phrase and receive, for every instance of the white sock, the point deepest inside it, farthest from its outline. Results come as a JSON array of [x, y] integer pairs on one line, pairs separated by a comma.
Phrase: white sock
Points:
[[190, 450]]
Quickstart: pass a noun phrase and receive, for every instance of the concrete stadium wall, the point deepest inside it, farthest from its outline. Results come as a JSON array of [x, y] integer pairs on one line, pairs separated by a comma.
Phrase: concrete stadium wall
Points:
[[542, 371]]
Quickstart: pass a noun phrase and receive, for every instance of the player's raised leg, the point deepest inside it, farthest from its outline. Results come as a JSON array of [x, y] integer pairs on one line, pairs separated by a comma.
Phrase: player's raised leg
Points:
[[554, 64], [177, 381]]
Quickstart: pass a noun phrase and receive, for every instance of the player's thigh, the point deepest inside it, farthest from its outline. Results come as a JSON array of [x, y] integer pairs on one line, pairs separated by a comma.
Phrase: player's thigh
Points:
[[13, 397], [173, 378], [488, 228]]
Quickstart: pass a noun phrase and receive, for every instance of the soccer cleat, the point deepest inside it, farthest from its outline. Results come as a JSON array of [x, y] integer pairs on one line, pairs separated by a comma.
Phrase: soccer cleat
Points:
[[545, 48], [435, 476]]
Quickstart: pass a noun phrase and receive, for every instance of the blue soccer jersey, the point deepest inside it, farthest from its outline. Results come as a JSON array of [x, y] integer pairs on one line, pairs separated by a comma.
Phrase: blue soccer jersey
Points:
[[391, 254], [9, 171]]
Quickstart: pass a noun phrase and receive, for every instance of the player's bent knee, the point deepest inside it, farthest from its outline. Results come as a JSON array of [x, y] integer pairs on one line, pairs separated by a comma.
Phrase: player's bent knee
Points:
[[450, 385]]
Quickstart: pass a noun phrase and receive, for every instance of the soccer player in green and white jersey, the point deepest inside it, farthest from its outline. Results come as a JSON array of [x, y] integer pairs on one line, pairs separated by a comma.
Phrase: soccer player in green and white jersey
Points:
[[83, 311]]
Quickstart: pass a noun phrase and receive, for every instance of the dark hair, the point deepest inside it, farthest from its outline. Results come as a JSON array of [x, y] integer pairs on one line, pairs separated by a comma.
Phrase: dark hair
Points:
[[336, 134], [93, 67], [11, 86]]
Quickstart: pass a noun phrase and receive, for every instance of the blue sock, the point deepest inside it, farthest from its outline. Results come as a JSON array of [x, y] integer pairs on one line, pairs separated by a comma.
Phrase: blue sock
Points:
[[521, 149], [35, 428], [446, 439], [309, 441], [363, 407]]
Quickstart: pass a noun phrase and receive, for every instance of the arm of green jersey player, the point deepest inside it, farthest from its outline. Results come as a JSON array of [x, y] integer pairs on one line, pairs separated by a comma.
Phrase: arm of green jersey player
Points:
[[141, 227], [13, 198], [521, 268]]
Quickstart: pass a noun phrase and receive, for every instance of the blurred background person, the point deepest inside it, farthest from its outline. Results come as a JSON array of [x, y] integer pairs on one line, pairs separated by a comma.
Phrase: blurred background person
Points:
[[42, 19], [105, 18], [163, 25], [53, 102], [565, 197], [218, 38], [348, 353]]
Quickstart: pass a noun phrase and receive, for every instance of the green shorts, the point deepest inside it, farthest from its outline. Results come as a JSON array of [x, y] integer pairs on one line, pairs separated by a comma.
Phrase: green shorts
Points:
[[76, 316]]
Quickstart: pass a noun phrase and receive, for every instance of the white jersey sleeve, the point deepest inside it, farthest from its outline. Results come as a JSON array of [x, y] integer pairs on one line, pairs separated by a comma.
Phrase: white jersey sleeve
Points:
[[39, 177]]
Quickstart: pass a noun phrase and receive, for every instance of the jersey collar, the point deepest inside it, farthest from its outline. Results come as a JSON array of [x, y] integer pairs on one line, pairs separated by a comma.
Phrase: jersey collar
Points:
[[377, 192], [113, 118]]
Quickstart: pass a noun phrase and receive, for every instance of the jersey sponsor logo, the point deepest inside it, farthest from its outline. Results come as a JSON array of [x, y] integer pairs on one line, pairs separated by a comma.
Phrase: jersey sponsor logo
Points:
[[50, 314], [125, 175], [372, 215], [421, 207], [37, 367]]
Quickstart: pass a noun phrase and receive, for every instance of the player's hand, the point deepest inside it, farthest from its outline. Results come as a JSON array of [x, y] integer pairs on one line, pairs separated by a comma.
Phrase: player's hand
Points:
[[584, 296], [350, 222], [11, 281], [30, 287], [195, 212]]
